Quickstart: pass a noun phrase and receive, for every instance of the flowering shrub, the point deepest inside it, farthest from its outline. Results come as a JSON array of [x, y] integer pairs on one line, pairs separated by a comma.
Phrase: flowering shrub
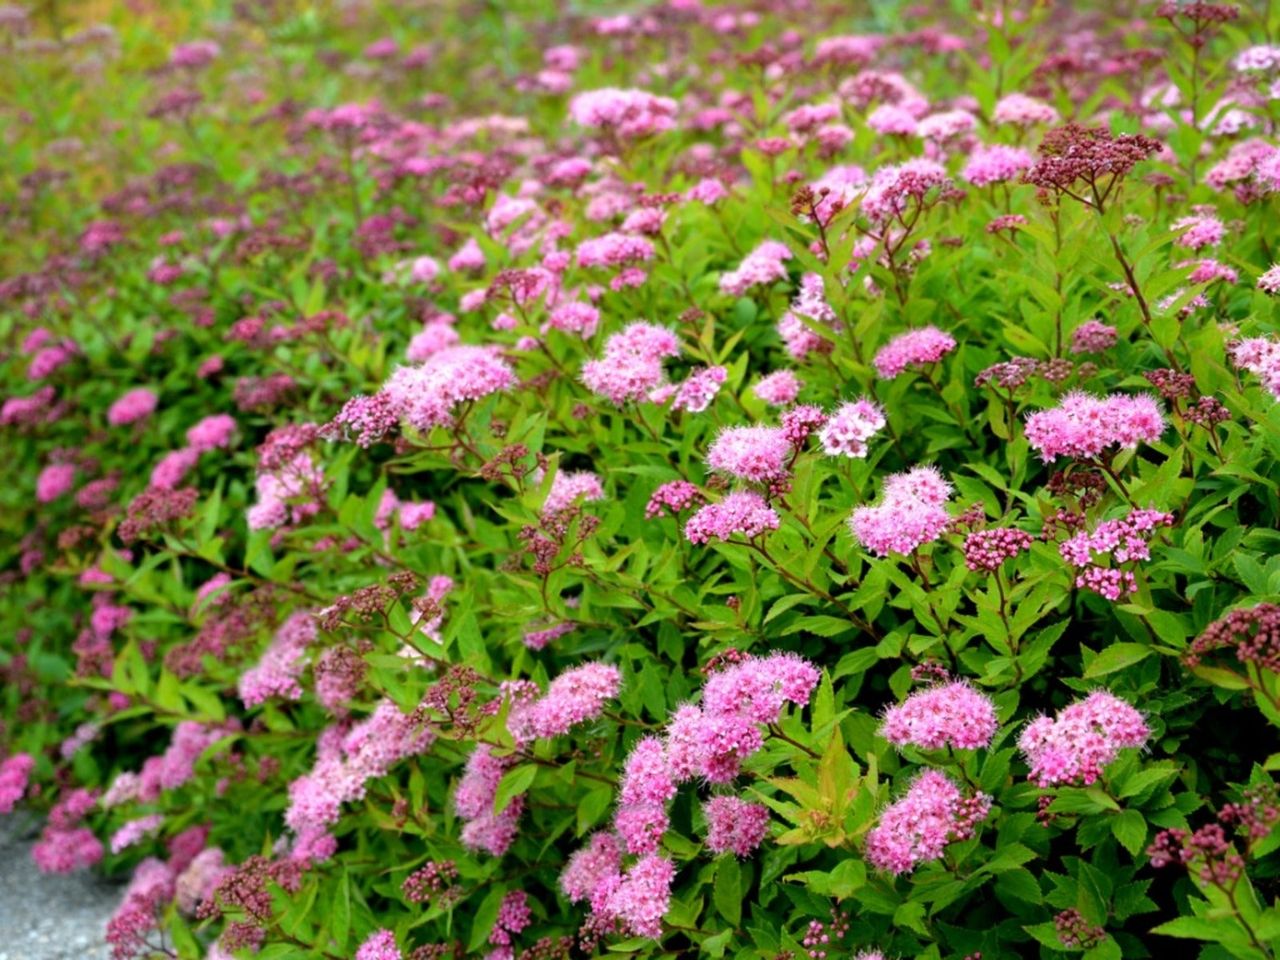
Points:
[[761, 479]]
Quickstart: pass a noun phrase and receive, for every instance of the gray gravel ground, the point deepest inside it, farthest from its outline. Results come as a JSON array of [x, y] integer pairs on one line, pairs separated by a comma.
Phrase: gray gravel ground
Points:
[[46, 917]]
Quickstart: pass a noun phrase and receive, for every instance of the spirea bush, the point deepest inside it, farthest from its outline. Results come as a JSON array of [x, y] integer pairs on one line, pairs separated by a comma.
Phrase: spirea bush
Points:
[[771, 479]]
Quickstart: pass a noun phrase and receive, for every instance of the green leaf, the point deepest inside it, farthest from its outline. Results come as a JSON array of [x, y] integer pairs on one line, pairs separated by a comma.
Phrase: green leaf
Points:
[[1116, 657], [1130, 828], [340, 913], [727, 893], [513, 783]]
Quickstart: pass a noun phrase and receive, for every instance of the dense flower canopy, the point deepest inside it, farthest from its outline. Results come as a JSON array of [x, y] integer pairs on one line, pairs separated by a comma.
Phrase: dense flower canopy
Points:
[[693, 478]]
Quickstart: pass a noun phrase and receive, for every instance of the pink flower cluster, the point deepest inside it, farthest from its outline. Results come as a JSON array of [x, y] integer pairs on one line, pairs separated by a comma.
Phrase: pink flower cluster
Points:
[[134, 831], [1092, 336], [54, 481], [946, 715], [574, 697], [614, 250], [135, 405], [379, 945], [986, 550], [15, 771], [697, 390], [779, 388], [1261, 357], [287, 494], [895, 187], [913, 348], [426, 395], [809, 304], [675, 496], [473, 802], [64, 846], [911, 513], [631, 365], [735, 825], [345, 763], [758, 454], [996, 164], [169, 770], [918, 827], [766, 264], [710, 742], [629, 114], [741, 512], [276, 673], [1123, 541], [1084, 425], [847, 430], [569, 487], [1081, 740]]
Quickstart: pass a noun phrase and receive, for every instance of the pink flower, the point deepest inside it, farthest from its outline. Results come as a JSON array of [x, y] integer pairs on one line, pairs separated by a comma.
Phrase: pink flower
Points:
[[473, 802], [134, 831], [212, 432], [810, 304], [574, 697], [735, 825], [645, 777], [911, 513], [1122, 541], [277, 673], [1023, 111], [193, 55], [629, 114], [1261, 357], [947, 125], [894, 187], [15, 772], [168, 474], [133, 406], [742, 512], [430, 340], [425, 396], [708, 190], [675, 496], [1081, 740], [915, 347], [468, 258], [918, 827], [949, 715], [641, 897], [591, 867], [1199, 231], [848, 429], [765, 264], [1092, 336], [569, 487], [1083, 425], [698, 389], [892, 120], [55, 480], [995, 164], [380, 945], [1269, 281], [758, 454], [986, 550], [574, 317], [632, 363], [614, 250], [779, 388]]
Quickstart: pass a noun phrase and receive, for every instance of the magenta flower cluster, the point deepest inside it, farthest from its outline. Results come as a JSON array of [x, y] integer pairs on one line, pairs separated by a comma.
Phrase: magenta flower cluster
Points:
[[912, 512], [1084, 426], [1077, 744]]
